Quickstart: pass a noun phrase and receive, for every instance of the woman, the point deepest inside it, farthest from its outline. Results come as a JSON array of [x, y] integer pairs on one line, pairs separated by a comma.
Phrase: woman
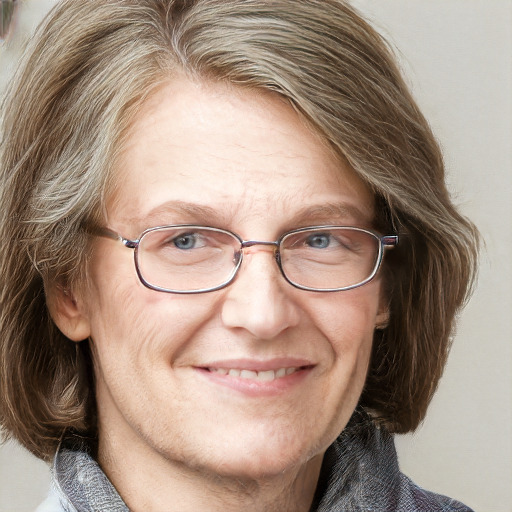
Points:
[[233, 262]]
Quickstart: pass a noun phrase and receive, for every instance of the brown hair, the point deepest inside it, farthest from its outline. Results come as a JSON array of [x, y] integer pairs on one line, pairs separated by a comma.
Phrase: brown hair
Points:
[[90, 68]]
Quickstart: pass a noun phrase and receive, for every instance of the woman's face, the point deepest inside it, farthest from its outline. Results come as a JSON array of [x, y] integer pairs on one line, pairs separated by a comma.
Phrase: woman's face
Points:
[[242, 160]]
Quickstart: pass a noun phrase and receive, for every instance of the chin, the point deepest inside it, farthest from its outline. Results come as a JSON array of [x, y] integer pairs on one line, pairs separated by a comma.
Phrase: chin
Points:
[[260, 468], [264, 458]]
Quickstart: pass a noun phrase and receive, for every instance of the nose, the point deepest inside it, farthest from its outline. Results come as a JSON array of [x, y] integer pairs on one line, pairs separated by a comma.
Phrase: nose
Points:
[[259, 300]]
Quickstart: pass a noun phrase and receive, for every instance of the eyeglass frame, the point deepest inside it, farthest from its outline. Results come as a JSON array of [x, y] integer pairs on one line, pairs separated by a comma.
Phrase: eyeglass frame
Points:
[[385, 242]]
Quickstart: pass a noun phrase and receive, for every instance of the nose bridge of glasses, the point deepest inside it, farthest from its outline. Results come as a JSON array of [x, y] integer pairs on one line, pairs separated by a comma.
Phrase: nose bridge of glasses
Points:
[[246, 244], [249, 244]]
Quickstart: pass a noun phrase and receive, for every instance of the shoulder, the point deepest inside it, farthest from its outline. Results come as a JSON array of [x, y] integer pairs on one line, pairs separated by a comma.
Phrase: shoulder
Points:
[[52, 503], [413, 497], [360, 471]]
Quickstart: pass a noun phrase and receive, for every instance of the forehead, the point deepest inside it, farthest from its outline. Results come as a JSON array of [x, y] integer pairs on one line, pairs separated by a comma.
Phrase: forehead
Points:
[[227, 154]]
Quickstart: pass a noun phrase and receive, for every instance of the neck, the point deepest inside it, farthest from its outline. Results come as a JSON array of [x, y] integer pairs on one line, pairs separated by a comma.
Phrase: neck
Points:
[[148, 481]]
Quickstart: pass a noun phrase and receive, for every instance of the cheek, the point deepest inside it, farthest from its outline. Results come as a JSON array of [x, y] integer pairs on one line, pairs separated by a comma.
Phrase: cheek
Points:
[[348, 319], [347, 322], [134, 327]]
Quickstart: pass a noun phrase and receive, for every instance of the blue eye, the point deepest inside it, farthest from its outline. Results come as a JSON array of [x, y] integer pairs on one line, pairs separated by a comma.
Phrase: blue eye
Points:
[[319, 240], [184, 242]]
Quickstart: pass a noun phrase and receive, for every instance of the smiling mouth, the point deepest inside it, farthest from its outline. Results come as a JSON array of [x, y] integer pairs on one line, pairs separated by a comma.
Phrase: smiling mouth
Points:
[[263, 376]]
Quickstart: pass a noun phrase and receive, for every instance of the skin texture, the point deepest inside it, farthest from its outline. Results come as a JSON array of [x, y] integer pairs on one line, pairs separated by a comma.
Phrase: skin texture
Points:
[[171, 436]]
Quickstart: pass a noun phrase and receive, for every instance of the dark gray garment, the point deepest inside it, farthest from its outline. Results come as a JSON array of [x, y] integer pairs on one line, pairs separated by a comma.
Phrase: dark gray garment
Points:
[[359, 473]]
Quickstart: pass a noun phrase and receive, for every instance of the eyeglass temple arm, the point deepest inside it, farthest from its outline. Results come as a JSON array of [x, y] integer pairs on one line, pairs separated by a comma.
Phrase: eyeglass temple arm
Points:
[[389, 240], [109, 233]]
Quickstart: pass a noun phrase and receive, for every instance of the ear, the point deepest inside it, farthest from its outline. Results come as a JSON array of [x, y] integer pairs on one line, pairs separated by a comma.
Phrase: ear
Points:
[[382, 317], [68, 313]]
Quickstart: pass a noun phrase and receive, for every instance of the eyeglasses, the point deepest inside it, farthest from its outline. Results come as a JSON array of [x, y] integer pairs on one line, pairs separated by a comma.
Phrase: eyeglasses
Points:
[[198, 259]]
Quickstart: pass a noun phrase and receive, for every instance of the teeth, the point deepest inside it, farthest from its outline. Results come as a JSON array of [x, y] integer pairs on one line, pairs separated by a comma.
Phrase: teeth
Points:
[[247, 374], [267, 375]]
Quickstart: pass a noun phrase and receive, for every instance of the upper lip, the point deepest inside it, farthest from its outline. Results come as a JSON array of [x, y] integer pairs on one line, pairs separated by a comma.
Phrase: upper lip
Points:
[[259, 365]]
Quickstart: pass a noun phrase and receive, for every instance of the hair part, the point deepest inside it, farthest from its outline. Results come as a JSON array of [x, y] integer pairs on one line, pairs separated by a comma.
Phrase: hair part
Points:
[[64, 125]]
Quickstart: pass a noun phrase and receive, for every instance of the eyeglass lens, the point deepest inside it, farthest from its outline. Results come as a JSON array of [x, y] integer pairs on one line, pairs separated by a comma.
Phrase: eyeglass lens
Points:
[[191, 259]]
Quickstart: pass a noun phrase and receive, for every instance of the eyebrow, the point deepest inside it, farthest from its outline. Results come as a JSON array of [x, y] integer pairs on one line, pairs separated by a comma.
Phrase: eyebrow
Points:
[[179, 211], [333, 213], [186, 212]]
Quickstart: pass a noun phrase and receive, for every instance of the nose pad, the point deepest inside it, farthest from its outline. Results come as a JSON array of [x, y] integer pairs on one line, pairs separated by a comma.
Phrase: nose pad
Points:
[[260, 300], [237, 257]]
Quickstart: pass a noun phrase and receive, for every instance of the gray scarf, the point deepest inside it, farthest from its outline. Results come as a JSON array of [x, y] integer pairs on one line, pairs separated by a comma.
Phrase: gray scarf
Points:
[[359, 474]]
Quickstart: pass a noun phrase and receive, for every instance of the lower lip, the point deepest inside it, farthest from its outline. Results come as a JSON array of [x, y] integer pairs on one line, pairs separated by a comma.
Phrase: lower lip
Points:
[[256, 388]]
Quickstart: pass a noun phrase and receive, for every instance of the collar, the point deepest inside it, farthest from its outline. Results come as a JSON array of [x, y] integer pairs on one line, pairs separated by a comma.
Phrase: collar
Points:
[[79, 481]]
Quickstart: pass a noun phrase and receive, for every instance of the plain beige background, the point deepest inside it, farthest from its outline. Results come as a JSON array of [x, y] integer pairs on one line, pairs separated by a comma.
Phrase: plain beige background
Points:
[[457, 55]]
